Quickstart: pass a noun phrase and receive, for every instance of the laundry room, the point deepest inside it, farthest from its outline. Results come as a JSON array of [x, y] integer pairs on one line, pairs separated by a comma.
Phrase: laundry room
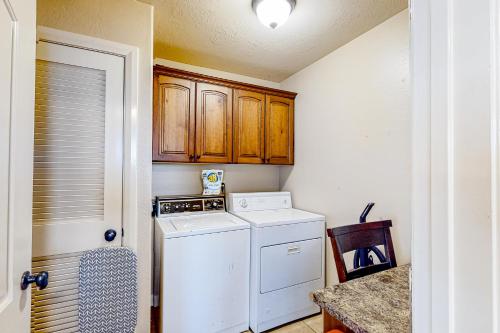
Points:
[[347, 146], [248, 166], [300, 125]]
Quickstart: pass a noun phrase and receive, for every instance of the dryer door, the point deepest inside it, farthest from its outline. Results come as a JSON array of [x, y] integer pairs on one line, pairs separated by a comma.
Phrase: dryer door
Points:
[[289, 264]]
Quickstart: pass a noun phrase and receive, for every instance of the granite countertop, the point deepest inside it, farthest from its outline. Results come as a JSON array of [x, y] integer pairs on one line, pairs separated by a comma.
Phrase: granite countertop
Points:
[[378, 303]]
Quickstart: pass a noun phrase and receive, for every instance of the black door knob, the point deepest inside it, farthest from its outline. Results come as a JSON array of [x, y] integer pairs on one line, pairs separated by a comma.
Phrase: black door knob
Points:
[[41, 280], [109, 235]]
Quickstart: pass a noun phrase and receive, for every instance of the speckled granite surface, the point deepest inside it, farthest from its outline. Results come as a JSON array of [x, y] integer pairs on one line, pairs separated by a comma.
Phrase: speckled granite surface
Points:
[[378, 303]]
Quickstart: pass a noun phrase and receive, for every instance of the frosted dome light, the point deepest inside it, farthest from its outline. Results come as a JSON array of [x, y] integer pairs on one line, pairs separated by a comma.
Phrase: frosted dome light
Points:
[[273, 13]]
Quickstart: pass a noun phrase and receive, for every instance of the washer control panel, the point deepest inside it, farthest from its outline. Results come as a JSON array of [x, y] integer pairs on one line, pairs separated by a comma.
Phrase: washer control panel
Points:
[[172, 205], [214, 204]]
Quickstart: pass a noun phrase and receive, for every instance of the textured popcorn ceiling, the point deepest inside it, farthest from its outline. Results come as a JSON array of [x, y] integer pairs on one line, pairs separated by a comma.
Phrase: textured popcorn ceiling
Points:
[[226, 34]]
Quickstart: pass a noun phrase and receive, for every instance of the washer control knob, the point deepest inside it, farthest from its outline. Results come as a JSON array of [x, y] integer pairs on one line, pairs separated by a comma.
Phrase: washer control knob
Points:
[[243, 203], [179, 208]]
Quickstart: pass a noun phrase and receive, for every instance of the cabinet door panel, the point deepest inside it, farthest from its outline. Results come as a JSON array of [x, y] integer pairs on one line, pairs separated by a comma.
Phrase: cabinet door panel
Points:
[[249, 122], [279, 130], [173, 119], [214, 125]]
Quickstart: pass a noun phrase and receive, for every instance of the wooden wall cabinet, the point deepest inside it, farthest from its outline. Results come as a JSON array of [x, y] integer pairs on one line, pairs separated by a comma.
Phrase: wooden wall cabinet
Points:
[[279, 130], [214, 125], [249, 127], [202, 119], [173, 119]]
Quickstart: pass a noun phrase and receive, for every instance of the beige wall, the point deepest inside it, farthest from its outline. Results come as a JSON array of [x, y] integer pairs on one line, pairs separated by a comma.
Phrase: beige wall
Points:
[[352, 133], [186, 179], [128, 22]]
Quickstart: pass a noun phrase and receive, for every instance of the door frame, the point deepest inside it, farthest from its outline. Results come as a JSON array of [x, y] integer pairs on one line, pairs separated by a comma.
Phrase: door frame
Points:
[[131, 105], [131, 166], [15, 304], [438, 66], [432, 203], [421, 275]]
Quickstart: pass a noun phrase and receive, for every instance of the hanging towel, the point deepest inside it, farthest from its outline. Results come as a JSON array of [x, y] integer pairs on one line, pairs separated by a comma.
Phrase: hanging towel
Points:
[[108, 291]]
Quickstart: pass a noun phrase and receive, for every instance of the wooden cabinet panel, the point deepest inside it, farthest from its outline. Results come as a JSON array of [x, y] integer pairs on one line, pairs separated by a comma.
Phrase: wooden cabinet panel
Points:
[[248, 129], [197, 120], [173, 119], [279, 130], [214, 126]]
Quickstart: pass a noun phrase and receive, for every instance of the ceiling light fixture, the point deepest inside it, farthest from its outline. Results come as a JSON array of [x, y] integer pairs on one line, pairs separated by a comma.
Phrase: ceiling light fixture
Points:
[[273, 13]]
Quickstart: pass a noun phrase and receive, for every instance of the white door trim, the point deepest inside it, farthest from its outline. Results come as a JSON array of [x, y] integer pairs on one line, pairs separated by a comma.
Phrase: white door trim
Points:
[[136, 196], [432, 175], [18, 30], [131, 106], [421, 184], [495, 157], [444, 54]]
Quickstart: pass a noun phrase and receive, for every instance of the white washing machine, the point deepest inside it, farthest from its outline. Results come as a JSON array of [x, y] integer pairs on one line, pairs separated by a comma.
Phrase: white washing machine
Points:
[[204, 260], [287, 257]]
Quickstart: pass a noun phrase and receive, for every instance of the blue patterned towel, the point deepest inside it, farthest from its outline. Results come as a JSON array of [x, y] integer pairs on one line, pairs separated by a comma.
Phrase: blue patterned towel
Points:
[[108, 291]]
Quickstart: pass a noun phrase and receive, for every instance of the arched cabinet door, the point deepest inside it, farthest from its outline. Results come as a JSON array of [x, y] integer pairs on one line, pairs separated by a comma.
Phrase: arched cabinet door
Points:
[[249, 124], [279, 130], [214, 123], [173, 119]]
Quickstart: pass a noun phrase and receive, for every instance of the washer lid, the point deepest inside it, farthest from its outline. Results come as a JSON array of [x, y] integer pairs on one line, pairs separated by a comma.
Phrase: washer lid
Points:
[[198, 224], [274, 217]]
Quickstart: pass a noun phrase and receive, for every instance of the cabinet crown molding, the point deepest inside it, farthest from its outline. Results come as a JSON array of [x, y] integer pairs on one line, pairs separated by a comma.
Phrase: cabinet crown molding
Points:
[[182, 74]]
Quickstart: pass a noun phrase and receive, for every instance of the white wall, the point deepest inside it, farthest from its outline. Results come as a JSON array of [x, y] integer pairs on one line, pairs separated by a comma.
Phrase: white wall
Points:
[[352, 134], [128, 22], [186, 178]]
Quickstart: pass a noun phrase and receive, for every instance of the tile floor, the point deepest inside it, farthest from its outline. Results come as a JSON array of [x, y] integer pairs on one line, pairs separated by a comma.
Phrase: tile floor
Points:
[[308, 325]]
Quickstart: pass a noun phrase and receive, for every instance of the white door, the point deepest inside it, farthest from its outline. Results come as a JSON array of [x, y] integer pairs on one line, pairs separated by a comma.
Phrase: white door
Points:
[[17, 58], [77, 172]]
